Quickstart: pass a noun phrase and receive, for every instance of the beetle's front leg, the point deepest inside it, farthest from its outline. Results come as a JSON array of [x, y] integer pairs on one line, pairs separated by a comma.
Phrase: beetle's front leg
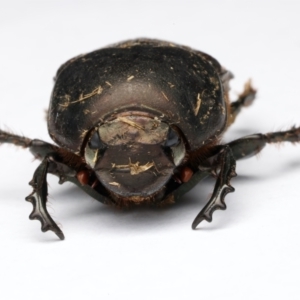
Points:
[[39, 197], [227, 164], [245, 147], [68, 167]]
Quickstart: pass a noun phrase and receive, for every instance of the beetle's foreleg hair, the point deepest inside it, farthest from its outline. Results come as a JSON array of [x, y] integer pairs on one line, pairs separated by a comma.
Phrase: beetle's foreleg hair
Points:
[[38, 148], [292, 135], [7, 137]]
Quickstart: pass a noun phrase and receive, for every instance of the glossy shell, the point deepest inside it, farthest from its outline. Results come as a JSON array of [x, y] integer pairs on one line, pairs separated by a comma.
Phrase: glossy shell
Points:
[[174, 84]]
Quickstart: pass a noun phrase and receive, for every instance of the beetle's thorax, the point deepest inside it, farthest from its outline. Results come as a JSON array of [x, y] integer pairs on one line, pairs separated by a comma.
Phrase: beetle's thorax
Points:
[[181, 85]]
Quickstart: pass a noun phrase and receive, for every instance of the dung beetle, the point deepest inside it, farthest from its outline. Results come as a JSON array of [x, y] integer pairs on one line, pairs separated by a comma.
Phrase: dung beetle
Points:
[[141, 122]]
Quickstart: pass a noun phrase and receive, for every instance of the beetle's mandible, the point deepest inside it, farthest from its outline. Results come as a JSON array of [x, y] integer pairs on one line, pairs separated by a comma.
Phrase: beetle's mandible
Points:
[[141, 122]]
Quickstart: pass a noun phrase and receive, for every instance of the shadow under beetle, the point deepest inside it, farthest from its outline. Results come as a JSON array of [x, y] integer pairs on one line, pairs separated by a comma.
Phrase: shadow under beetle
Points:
[[141, 122]]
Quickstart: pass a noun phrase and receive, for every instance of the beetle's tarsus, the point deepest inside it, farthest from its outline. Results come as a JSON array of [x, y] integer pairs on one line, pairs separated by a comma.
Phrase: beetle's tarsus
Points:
[[222, 188], [38, 198], [292, 136], [247, 97]]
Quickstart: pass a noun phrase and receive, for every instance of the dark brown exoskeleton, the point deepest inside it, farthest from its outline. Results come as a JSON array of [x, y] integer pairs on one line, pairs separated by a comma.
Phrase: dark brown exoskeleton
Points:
[[141, 122]]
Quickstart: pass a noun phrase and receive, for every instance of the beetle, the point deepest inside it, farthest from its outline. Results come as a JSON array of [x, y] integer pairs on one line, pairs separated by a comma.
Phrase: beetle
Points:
[[139, 122]]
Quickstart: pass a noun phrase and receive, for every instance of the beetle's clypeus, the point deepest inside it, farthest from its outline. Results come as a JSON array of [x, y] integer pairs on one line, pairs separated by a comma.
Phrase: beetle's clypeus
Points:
[[141, 122]]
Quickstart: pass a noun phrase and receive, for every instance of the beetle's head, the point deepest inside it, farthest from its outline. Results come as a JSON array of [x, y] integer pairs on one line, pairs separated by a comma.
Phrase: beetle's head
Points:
[[134, 156]]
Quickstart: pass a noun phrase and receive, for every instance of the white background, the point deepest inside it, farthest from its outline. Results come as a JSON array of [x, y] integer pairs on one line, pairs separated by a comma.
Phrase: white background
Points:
[[249, 251]]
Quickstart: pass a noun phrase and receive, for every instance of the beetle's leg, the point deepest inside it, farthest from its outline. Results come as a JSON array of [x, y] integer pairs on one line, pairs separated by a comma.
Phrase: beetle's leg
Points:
[[37, 147], [39, 198], [226, 162], [241, 148], [39, 195], [40, 191], [245, 99], [60, 162], [70, 167], [7, 137], [250, 145]]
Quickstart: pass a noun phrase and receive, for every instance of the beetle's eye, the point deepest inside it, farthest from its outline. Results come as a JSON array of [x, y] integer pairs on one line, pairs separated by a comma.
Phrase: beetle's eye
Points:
[[173, 138], [95, 142], [174, 147], [94, 149]]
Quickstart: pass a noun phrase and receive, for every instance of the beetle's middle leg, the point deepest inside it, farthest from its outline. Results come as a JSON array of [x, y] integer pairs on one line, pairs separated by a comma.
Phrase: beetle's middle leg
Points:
[[245, 99]]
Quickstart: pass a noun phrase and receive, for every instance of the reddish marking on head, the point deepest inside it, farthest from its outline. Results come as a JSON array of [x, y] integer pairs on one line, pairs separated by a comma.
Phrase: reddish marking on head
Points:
[[186, 174], [83, 177]]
